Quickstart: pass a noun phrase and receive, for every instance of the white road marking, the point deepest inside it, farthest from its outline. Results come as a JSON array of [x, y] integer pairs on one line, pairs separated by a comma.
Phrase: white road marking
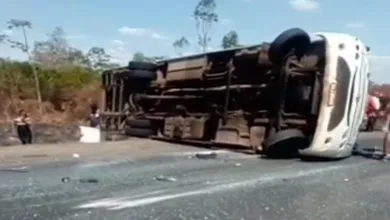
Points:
[[118, 203], [189, 153], [103, 163], [105, 202]]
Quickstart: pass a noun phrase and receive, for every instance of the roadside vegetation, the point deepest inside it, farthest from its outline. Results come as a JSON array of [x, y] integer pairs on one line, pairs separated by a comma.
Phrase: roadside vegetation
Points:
[[55, 82]]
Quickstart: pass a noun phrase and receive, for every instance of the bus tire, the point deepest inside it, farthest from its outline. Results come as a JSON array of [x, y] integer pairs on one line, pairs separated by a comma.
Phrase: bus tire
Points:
[[136, 65], [294, 38], [139, 132], [139, 123], [285, 143], [144, 75]]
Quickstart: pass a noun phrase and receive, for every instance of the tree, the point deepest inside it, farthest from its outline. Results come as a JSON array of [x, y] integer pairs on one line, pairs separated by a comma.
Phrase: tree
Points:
[[23, 25], [56, 53], [230, 40], [77, 58], [140, 57], [112, 65], [158, 58], [98, 58], [24, 47], [180, 44], [3, 38], [205, 16]]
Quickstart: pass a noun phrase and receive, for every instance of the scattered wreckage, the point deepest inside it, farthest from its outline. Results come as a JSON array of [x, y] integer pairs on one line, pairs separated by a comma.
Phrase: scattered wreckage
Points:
[[299, 94]]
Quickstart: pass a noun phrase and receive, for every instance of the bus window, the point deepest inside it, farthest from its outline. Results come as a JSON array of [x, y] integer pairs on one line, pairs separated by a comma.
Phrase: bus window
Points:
[[351, 98], [343, 77]]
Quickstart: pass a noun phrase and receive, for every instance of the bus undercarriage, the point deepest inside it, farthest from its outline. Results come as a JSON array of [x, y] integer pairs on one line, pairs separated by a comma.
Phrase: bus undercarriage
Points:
[[259, 98]]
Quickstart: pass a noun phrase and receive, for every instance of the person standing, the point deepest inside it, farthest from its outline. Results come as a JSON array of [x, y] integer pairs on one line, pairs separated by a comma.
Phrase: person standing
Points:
[[386, 111], [23, 127], [94, 117], [371, 112]]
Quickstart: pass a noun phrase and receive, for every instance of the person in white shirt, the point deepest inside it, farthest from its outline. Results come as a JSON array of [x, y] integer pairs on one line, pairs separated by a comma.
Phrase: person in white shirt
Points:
[[23, 127]]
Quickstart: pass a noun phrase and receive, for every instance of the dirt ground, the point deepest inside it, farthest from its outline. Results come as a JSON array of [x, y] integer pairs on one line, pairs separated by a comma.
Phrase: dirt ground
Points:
[[42, 133], [132, 148]]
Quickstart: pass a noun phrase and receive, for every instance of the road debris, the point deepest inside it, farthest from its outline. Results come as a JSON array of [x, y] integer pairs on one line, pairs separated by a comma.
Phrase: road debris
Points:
[[65, 179], [375, 152], [84, 180], [76, 155], [89, 180], [206, 155], [378, 153], [165, 178]]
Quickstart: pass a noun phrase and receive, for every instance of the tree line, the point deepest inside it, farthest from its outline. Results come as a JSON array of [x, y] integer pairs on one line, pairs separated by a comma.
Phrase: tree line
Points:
[[56, 72], [53, 70], [205, 18]]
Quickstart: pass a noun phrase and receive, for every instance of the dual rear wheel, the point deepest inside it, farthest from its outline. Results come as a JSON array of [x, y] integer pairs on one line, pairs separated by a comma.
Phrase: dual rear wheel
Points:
[[139, 128]]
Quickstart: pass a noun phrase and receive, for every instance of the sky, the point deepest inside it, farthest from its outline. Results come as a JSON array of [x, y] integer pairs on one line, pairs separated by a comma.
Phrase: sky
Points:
[[124, 27]]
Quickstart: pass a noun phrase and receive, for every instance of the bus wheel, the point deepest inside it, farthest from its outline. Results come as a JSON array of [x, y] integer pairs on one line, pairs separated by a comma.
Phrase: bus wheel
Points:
[[292, 39], [139, 123], [139, 132], [146, 66], [285, 143]]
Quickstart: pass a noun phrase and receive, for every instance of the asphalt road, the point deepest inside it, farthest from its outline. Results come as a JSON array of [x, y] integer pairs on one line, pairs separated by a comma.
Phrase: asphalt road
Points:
[[232, 186]]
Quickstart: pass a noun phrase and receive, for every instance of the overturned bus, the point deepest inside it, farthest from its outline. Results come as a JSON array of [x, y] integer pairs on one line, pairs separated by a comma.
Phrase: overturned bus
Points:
[[300, 94]]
